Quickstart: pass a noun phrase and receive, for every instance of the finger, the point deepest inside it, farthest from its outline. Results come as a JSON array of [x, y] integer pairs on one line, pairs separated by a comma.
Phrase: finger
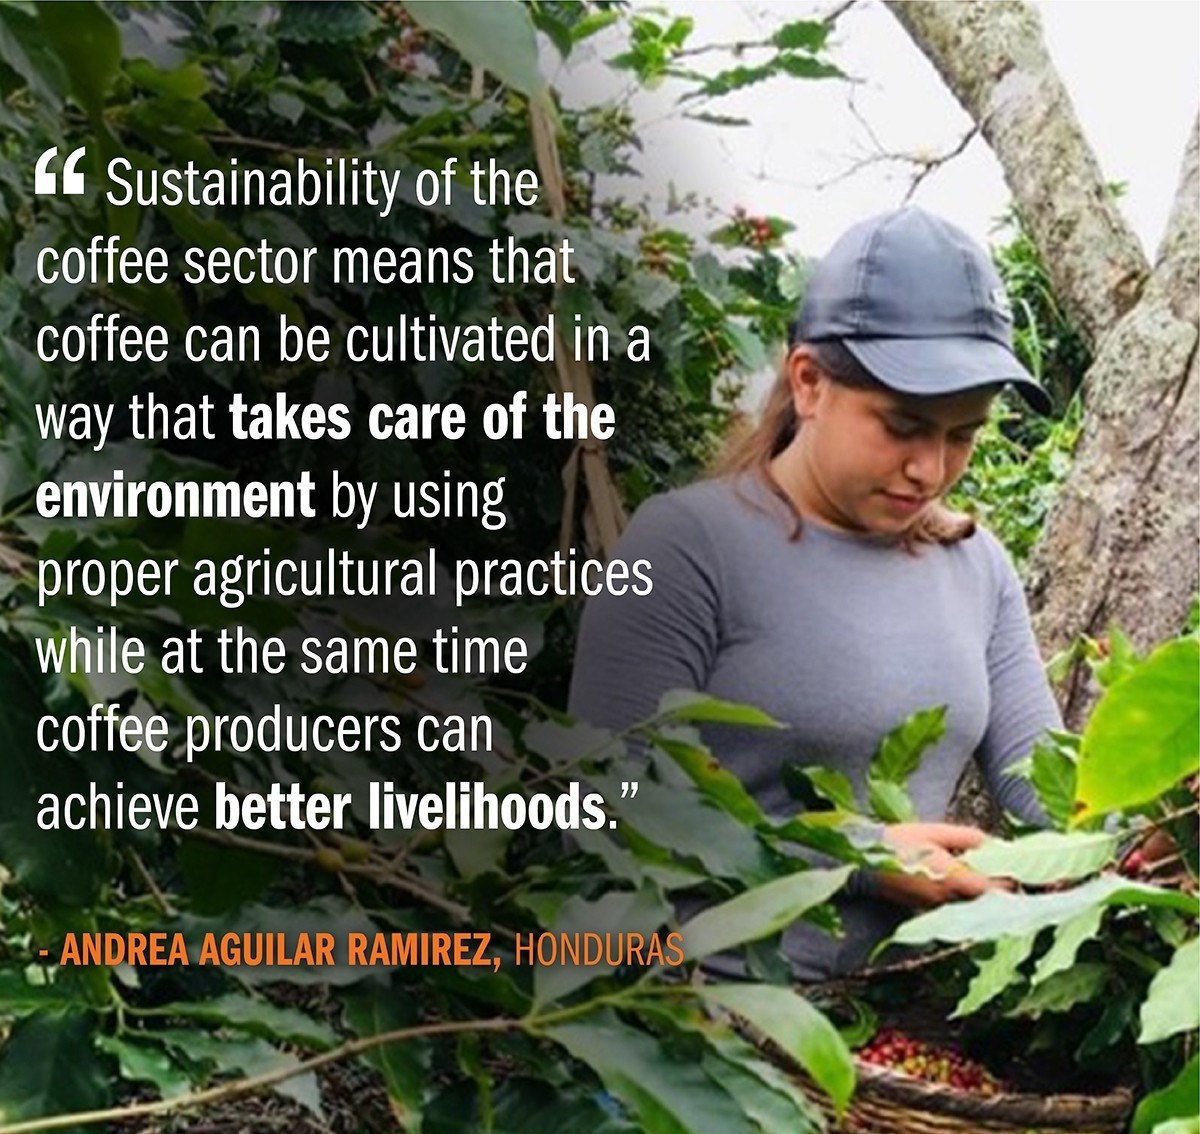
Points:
[[954, 836], [968, 883]]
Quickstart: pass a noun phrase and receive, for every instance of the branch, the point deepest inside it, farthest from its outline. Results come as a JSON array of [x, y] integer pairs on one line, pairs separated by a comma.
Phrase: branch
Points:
[[255, 1083], [929, 164], [383, 875], [496, 1025], [741, 46], [992, 57]]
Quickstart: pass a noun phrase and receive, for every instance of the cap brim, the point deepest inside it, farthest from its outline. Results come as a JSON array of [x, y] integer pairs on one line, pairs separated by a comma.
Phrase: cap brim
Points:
[[929, 367]]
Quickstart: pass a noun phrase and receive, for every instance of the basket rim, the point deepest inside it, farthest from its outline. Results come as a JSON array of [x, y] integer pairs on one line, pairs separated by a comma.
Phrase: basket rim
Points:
[[1065, 1110], [1019, 1108]]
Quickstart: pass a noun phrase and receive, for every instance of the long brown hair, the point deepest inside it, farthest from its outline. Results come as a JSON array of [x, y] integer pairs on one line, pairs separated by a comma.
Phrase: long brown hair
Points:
[[751, 449]]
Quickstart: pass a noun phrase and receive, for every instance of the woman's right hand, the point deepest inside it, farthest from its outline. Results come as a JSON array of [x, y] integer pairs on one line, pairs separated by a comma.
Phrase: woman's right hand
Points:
[[934, 872]]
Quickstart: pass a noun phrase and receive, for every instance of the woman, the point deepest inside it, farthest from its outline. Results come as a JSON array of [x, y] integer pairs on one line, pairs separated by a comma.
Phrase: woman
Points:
[[821, 579]]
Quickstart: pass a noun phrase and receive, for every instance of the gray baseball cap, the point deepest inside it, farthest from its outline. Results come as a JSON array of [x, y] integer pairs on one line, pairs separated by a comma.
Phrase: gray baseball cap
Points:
[[920, 305]]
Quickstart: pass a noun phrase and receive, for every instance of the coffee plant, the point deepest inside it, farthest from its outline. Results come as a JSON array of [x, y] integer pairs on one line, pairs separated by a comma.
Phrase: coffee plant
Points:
[[619, 1046], [630, 1044]]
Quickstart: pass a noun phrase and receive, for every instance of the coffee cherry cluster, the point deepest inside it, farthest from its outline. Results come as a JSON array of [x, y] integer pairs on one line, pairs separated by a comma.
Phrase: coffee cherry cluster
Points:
[[405, 50], [897, 1052], [754, 232], [655, 253]]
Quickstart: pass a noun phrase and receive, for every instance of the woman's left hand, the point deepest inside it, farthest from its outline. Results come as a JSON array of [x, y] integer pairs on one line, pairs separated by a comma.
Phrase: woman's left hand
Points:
[[935, 874]]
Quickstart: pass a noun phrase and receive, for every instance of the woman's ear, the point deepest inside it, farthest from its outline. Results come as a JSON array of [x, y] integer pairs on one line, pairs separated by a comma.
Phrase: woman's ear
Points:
[[805, 380]]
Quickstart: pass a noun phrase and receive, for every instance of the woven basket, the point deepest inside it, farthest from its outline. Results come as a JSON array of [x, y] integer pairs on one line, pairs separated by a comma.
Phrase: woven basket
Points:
[[887, 1102]]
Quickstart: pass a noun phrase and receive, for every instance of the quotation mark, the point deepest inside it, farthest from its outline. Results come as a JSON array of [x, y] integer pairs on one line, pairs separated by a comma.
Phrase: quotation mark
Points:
[[45, 183], [628, 791]]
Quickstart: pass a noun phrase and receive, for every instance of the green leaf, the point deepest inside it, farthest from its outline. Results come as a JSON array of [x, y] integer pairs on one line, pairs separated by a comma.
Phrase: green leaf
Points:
[[1179, 1126], [900, 751], [1048, 856], [475, 851], [20, 997], [715, 782], [1142, 738], [751, 351], [86, 39], [1115, 1024], [638, 911], [833, 786], [1175, 1101], [147, 1063], [499, 37], [666, 1093], [24, 48], [771, 1107], [1172, 1003], [592, 23], [889, 802], [329, 21], [764, 910], [996, 973], [795, 1026], [561, 743], [1067, 941], [1121, 661], [1172, 928], [1052, 774], [188, 82], [897, 757], [805, 67], [243, 1059], [48, 1066], [680, 820], [327, 914], [222, 878], [61, 866], [735, 78], [999, 914], [1064, 990], [554, 29], [258, 1017], [528, 1106], [648, 291], [403, 1066], [698, 708], [808, 35]]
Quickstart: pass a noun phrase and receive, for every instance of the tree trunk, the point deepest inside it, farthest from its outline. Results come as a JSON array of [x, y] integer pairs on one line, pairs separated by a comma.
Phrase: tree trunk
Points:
[[1120, 545]]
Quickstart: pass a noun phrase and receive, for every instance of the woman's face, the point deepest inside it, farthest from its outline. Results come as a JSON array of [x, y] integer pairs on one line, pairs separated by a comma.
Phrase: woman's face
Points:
[[874, 460]]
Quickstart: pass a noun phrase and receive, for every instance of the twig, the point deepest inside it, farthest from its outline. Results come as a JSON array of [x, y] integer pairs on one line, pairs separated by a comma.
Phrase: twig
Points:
[[1156, 827], [498, 1025], [740, 46], [160, 899], [1182, 813], [906, 965], [262, 144], [837, 13], [257, 1082], [372, 87], [928, 165], [384, 875]]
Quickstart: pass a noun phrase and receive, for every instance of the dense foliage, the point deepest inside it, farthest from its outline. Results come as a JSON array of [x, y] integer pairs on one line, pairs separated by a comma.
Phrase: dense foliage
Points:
[[606, 1049], [165, 84]]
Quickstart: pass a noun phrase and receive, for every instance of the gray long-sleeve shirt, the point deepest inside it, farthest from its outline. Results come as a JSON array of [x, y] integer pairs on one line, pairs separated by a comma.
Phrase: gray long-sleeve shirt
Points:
[[839, 636]]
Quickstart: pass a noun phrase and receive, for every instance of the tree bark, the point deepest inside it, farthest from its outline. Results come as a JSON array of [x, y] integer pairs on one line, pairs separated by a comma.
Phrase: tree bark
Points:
[[1120, 546]]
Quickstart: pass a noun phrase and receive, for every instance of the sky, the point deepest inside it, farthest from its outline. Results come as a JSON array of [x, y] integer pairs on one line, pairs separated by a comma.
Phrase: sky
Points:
[[1131, 68]]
